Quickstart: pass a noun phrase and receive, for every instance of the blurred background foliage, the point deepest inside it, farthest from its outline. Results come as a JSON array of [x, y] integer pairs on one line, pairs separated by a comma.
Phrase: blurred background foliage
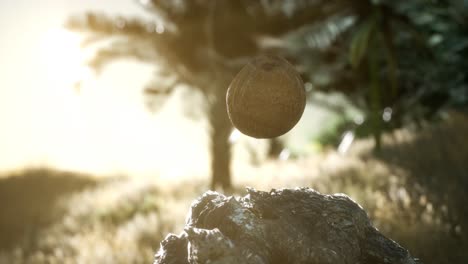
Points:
[[391, 76], [397, 62]]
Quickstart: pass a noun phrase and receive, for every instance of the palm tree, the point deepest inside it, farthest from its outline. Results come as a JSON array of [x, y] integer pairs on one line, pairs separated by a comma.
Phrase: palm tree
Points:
[[353, 46], [201, 43]]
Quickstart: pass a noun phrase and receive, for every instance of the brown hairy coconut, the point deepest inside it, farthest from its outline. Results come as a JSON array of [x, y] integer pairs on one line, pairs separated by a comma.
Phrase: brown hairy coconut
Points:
[[266, 98]]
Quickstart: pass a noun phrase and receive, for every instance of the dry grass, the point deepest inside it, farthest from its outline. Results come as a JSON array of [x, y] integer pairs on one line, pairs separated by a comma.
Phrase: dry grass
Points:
[[414, 191]]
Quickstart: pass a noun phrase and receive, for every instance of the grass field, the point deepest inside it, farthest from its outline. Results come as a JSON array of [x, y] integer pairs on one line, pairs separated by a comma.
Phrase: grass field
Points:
[[414, 191]]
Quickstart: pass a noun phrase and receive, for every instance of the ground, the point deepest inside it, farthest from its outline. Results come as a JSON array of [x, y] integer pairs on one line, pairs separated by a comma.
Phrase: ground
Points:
[[413, 190]]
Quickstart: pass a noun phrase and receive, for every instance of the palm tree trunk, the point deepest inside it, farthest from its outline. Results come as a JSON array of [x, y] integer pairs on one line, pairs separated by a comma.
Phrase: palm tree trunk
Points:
[[220, 129]]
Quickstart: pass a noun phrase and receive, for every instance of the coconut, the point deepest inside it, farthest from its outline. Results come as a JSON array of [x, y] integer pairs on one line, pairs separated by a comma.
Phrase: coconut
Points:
[[266, 99]]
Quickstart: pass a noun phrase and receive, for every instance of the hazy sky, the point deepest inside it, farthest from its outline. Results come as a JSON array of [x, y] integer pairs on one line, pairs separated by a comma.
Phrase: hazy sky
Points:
[[103, 129], [43, 121]]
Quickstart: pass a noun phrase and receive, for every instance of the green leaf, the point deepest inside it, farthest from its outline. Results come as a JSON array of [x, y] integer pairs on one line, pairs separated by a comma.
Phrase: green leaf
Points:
[[360, 42]]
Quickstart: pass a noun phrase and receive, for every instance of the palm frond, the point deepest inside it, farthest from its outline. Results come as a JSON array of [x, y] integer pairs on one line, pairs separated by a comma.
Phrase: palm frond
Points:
[[105, 25], [121, 48], [320, 35]]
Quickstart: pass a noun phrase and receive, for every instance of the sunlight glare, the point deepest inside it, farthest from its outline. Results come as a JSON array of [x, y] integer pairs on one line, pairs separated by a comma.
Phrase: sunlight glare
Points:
[[63, 57], [106, 128]]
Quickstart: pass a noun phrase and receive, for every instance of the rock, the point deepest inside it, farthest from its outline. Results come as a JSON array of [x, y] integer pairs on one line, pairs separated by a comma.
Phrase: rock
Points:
[[281, 226]]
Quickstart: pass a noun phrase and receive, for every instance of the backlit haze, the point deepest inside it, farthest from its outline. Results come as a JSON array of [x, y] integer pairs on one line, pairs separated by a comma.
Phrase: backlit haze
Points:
[[56, 112], [102, 125]]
